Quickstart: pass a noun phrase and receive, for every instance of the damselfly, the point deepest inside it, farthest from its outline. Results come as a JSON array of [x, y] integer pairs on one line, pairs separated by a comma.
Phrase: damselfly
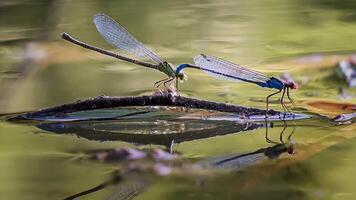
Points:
[[119, 37], [223, 69]]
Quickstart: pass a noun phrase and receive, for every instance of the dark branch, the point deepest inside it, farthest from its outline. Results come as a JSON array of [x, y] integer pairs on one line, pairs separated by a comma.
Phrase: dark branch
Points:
[[102, 102]]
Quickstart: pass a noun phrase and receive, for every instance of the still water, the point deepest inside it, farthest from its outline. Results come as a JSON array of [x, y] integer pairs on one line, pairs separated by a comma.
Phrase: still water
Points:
[[42, 160]]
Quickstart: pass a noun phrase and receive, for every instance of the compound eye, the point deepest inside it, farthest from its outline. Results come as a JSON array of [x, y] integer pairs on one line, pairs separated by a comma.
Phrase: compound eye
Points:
[[182, 76], [165, 63], [295, 86], [290, 150]]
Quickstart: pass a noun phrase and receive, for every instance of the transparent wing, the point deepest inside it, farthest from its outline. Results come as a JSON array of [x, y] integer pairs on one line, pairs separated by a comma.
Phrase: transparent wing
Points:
[[239, 162], [129, 189], [116, 35], [222, 69]]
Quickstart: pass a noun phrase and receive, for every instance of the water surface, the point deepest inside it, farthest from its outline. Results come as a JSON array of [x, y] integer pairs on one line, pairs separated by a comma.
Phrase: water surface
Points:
[[304, 38]]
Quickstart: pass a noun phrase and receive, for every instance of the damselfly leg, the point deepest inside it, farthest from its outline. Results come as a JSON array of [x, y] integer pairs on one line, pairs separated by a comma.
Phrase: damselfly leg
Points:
[[285, 125], [177, 84], [267, 100], [282, 101], [290, 99], [281, 135], [159, 83], [290, 135], [169, 81], [266, 133], [167, 85], [284, 128]]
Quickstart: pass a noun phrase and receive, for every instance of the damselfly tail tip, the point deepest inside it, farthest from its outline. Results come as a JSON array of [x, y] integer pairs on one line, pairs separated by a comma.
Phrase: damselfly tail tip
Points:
[[65, 35]]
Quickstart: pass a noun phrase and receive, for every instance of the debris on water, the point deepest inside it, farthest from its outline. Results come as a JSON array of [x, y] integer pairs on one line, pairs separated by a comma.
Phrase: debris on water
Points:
[[345, 118], [347, 69], [332, 107]]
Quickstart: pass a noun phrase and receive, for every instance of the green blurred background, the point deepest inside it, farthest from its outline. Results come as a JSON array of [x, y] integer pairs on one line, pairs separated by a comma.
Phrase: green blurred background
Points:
[[38, 69]]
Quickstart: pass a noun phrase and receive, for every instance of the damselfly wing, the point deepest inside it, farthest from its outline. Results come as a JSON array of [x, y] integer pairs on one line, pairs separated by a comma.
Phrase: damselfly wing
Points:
[[118, 36]]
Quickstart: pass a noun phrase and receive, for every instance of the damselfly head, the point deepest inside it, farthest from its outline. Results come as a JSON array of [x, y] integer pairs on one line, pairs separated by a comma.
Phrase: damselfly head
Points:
[[292, 85], [182, 76], [290, 149], [288, 80]]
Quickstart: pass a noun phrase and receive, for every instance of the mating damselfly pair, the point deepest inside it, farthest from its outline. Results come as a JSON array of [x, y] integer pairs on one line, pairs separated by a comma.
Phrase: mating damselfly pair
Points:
[[118, 36]]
